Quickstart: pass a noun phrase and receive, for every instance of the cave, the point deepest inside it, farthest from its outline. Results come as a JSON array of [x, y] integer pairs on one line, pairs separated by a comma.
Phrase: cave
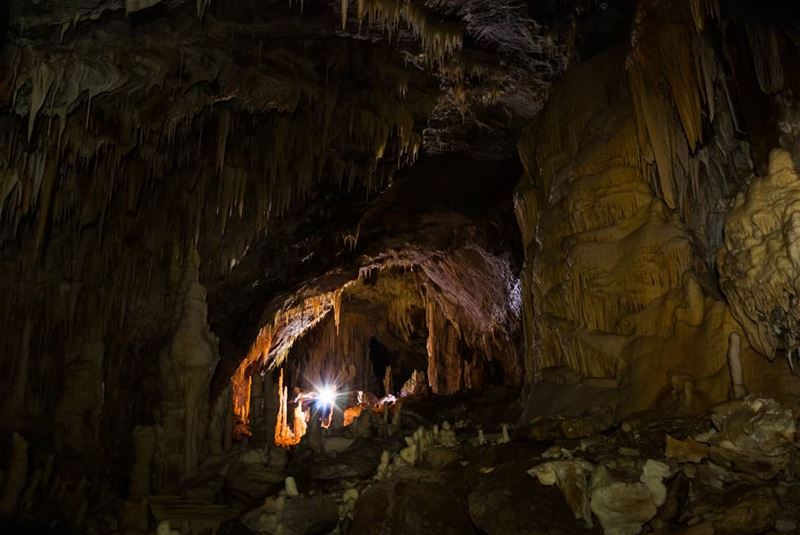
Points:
[[479, 267]]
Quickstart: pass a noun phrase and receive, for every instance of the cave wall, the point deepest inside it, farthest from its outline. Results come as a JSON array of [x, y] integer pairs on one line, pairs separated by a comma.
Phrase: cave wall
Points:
[[632, 169], [131, 181]]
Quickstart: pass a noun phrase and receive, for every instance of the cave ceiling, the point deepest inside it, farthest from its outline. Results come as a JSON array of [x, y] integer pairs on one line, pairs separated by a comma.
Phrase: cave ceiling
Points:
[[287, 143]]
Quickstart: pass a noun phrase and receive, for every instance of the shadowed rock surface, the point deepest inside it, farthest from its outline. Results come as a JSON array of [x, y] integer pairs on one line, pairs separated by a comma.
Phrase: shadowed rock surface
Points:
[[399, 266]]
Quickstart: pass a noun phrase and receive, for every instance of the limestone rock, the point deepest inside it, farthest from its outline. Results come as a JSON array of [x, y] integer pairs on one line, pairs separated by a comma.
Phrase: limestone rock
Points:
[[15, 476], [751, 515], [653, 475], [506, 500], [572, 478], [439, 457], [595, 421], [250, 482], [359, 460], [621, 506], [759, 261], [78, 410], [290, 486], [309, 516], [133, 515], [755, 436], [336, 444], [686, 451], [411, 507], [571, 425], [144, 440]]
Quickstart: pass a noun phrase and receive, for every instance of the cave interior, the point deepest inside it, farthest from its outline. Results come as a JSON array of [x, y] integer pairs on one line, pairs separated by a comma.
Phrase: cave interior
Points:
[[447, 267]]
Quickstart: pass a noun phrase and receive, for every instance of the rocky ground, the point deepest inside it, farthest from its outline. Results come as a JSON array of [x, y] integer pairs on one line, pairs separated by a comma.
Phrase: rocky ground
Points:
[[449, 467], [454, 465]]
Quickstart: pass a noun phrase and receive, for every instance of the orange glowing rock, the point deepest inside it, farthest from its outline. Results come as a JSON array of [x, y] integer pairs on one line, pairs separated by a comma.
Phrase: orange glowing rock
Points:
[[351, 413]]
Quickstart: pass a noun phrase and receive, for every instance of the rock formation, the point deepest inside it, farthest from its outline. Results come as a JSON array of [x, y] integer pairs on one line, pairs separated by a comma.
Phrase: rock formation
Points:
[[367, 267]]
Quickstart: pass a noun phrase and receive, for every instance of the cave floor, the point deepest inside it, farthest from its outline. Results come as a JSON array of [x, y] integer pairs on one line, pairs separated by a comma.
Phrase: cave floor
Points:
[[446, 466]]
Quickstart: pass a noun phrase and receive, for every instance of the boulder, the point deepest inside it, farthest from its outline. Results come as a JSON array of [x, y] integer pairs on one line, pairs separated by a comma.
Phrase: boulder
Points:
[[309, 516], [756, 436], [403, 507], [248, 483], [295, 516], [506, 500], [572, 477], [439, 457], [686, 451], [622, 506]]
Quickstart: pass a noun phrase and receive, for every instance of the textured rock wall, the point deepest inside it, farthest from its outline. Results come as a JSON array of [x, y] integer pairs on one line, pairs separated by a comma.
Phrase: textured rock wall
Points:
[[760, 261], [123, 152], [616, 283]]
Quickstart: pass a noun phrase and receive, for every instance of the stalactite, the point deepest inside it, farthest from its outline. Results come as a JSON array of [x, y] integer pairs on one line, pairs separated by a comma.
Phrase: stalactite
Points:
[[444, 362], [337, 307], [673, 73], [440, 41], [611, 272], [41, 82], [343, 8], [766, 57], [201, 6], [284, 435]]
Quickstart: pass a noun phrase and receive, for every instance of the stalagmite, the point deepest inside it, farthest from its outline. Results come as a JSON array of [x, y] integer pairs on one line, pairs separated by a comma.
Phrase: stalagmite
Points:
[[220, 420], [15, 476], [738, 388], [260, 426], [387, 381], [194, 354], [14, 402], [144, 440], [26, 500], [397, 414], [81, 403], [504, 438], [291, 487], [314, 434], [383, 465]]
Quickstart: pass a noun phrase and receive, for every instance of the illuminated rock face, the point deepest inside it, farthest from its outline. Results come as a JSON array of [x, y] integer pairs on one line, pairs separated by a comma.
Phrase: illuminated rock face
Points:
[[613, 282], [760, 259], [632, 169]]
